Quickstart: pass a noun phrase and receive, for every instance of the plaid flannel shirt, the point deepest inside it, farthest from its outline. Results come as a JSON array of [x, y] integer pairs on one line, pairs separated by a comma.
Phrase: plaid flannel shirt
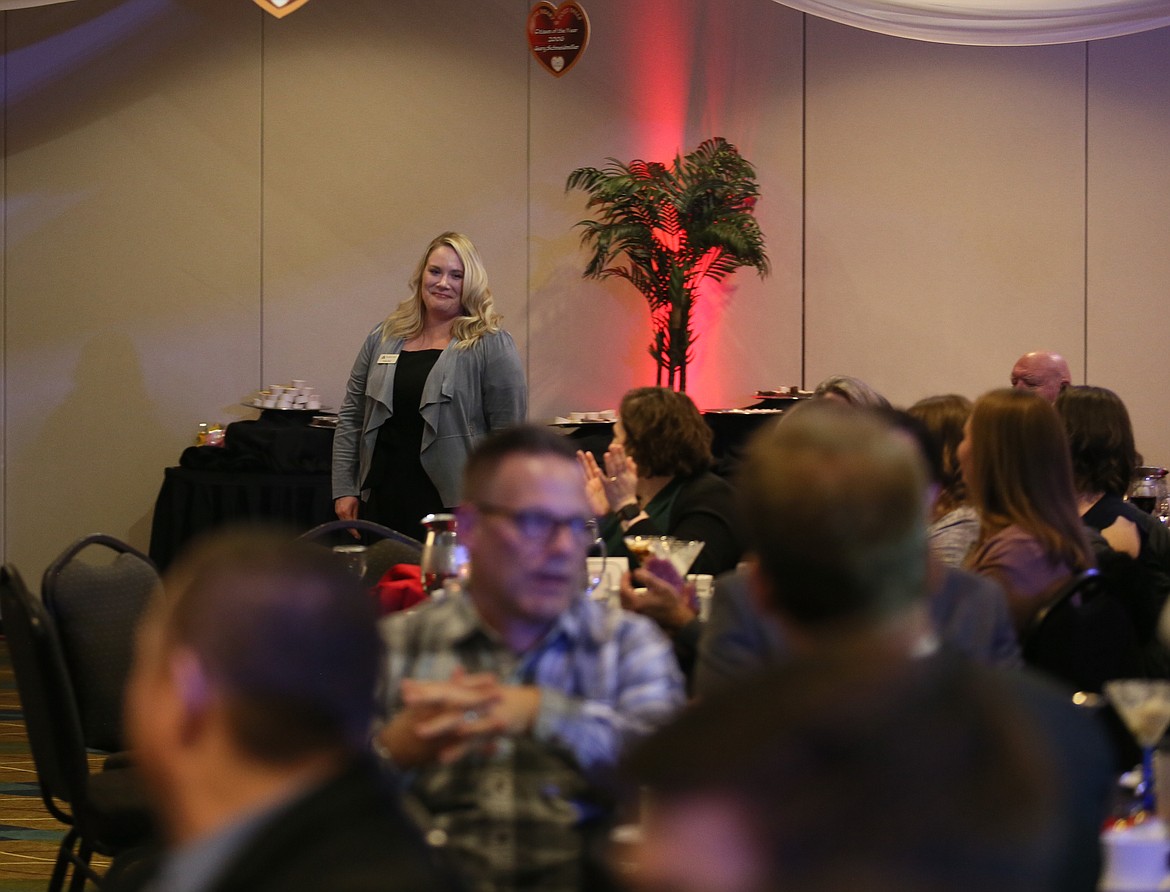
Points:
[[515, 818]]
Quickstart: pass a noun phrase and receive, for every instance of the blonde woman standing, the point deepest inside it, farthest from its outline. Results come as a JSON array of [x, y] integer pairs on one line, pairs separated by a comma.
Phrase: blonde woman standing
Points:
[[430, 381]]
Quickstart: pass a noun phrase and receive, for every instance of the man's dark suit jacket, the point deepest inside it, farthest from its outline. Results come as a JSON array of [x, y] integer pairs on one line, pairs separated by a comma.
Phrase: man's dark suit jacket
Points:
[[349, 835]]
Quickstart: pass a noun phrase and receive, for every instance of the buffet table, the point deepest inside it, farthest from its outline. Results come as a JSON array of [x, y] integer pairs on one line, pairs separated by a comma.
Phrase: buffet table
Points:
[[192, 501], [275, 468]]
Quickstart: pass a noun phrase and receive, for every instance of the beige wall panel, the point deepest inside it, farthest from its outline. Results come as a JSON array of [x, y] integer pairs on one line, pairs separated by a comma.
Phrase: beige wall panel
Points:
[[384, 125], [945, 216], [1129, 229], [132, 288], [660, 76]]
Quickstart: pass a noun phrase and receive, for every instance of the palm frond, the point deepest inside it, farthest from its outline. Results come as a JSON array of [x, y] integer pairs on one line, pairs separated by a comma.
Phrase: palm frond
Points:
[[667, 227]]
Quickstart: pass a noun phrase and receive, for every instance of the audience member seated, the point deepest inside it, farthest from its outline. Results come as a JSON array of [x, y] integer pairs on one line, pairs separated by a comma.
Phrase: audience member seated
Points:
[[1015, 462], [510, 704], [249, 711], [968, 612], [1104, 457], [853, 391], [846, 776], [954, 525], [838, 530], [1042, 373], [657, 480]]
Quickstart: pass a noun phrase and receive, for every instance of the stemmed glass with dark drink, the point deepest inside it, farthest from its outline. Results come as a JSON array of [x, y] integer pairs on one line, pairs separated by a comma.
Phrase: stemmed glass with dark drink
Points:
[[1148, 491]]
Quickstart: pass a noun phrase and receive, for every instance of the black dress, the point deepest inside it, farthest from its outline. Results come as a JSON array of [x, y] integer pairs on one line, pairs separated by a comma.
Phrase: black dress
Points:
[[401, 493]]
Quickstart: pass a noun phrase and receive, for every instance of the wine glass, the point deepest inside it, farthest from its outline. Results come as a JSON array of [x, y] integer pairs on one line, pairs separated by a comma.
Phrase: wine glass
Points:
[[680, 552], [595, 565], [1144, 706], [353, 557]]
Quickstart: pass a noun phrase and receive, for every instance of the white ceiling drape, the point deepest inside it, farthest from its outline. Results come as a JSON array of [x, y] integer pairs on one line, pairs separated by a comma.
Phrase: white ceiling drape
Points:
[[974, 22], [994, 22]]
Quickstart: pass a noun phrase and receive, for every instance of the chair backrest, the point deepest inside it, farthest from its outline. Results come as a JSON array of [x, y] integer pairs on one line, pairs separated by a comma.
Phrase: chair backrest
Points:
[[96, 608], [384, 554], [1085, 636], [46, 698], [386, 547], [374, 532]]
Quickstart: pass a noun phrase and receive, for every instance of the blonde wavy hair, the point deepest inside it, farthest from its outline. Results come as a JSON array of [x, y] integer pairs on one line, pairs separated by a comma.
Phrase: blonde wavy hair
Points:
[[479, 312]]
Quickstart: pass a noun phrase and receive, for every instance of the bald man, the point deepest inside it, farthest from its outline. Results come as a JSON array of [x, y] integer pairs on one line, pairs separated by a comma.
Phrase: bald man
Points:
[[1043, 373]]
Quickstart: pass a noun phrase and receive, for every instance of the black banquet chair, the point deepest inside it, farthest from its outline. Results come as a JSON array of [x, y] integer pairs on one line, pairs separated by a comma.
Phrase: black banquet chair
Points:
[[384, 547], [1085, 636], [96, 605], [105, 811]]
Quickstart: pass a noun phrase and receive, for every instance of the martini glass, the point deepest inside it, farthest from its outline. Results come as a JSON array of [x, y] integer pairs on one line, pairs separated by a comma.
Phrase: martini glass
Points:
[[1144, 706], [681, 553]]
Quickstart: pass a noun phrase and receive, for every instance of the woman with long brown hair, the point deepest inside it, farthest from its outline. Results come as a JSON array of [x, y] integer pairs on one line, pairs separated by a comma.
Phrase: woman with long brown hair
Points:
[[1015, 461]]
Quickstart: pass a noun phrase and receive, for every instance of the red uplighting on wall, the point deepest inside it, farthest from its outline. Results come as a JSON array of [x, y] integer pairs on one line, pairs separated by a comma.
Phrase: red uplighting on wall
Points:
[[660, 66], [662, 60]]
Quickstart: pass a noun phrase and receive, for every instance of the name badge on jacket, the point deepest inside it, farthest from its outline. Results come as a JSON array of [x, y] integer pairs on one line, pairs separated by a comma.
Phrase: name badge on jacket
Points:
[[388, 359]]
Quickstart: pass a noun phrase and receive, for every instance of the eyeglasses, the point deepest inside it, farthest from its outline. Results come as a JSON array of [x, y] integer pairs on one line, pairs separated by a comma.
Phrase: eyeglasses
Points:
[[541, 527]]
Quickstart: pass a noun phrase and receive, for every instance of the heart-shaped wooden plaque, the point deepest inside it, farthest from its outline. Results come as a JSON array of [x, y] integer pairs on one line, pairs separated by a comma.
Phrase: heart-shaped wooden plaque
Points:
[[557, 35], [280, 9]]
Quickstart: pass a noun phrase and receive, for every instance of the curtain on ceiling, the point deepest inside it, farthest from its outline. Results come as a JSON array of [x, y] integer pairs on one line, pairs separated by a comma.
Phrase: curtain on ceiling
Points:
[[994, 22]]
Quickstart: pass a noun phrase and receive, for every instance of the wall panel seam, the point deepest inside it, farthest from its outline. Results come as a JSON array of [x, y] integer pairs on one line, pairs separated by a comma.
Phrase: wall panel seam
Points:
[[260, 209], [803, 198], [1085, 226]]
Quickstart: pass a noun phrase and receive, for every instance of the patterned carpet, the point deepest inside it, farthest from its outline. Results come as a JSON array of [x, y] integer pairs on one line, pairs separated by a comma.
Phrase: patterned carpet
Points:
[[29, 836]]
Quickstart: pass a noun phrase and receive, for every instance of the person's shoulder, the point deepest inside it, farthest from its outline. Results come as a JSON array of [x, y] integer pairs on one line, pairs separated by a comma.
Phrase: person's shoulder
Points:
[[378, 335], [709, 480], [351, 835], [706, 486], [964, 515], [1013, 539], [495, 341], [433, 616], [603, 623], [961, 583], [1068, 726]]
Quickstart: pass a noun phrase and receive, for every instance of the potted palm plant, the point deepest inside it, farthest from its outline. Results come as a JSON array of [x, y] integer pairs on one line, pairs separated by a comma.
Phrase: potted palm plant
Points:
[[667, 229]]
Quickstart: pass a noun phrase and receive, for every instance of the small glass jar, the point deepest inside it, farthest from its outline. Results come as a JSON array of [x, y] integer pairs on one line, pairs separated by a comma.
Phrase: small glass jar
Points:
[[443, 558]]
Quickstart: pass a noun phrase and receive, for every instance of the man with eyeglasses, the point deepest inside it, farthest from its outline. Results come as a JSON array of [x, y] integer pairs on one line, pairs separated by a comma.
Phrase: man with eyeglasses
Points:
[[509, 705]]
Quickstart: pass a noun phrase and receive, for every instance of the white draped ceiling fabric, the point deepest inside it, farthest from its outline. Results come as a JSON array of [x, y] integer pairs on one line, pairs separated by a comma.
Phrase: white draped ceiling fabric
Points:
[[973, 22], [994, 22]]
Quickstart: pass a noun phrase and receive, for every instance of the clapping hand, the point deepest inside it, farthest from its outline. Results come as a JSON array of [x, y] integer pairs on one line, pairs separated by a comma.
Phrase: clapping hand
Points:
[[616, 486]]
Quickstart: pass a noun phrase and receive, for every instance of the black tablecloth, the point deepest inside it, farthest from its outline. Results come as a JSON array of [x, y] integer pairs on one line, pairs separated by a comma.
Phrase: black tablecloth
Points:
[[192, 501]]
